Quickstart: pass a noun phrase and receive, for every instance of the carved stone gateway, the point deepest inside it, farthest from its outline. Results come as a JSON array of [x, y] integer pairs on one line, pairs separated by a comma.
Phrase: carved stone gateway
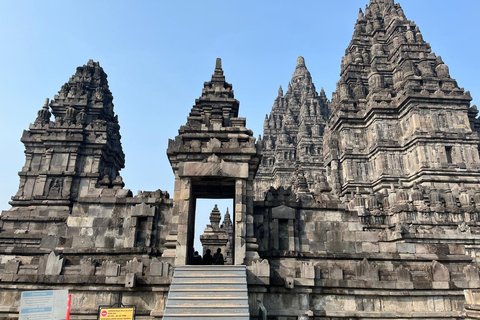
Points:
[[214, 156]]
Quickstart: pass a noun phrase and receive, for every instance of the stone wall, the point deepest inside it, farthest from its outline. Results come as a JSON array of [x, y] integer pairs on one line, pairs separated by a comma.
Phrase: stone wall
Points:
[[107, 250], [334, 266]]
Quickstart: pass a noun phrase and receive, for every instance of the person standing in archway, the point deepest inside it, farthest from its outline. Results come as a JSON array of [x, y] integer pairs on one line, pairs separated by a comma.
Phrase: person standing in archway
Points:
[[218, 257], [207, 257], [197, 259]]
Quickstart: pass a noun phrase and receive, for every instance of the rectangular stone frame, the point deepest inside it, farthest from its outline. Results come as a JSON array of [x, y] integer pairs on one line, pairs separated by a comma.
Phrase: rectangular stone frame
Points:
[[185, 201]]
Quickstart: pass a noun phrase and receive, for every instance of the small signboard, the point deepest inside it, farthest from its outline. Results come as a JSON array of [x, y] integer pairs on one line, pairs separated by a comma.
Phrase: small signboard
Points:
[[110, 313], [44, 305]]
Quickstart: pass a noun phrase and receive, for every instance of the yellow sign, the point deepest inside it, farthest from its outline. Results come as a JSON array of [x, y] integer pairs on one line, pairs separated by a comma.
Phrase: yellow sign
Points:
[[116, 313]]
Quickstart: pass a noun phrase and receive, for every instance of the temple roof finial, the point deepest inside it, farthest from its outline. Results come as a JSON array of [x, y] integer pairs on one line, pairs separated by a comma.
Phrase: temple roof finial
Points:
[[45, 105], [300, 62], [218, 79]]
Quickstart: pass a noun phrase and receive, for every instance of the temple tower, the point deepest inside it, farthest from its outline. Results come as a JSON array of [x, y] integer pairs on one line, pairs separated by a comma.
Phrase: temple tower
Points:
[[218, 236], [397, 115], [213, 156], [66, 157], [81, 149], [293, 134], [227, 227]]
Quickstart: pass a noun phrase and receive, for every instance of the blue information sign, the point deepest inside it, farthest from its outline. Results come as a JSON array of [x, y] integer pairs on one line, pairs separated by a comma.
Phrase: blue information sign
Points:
[[44, 305]]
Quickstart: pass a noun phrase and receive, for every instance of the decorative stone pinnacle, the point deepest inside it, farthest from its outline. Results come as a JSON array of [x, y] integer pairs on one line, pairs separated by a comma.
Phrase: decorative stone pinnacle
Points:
[[300, 62], [45, 105], [215, 218], [43, 115], [218, 79], [218, 64]]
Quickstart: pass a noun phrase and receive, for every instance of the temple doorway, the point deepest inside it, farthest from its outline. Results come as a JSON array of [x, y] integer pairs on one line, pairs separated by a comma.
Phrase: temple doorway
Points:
[[213, 229]]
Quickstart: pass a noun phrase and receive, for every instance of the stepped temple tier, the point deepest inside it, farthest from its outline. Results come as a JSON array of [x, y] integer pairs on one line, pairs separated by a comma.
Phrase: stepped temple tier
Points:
[[365, 206]]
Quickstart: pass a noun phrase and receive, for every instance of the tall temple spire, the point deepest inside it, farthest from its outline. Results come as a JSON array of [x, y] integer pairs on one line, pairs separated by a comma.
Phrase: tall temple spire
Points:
[[90, 150], [302, 83], [287, 132], [216, 104], [300, 62], [227, 221], [389, 67]]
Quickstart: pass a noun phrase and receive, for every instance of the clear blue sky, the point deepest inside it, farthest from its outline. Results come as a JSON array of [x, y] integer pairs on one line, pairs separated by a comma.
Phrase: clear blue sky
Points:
[[158, 54]]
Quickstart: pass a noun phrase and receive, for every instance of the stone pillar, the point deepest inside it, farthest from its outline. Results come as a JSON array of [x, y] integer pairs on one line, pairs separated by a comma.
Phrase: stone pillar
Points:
[[181, 209], [240, 221], [335, 177], [72, 162], [252, 245], [40, 185], [67, 187], [274, 234], [28, 162], [130, 226], [291, 235], [48, 160]]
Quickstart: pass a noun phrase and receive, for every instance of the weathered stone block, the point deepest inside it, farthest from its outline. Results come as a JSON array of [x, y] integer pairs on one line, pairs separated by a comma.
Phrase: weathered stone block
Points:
[[111, 269], [388, 247], [406, 247], [135, 267], [130, 280], [80, 222], [54, 264], [366, 270], [335, 273], [12, 267]]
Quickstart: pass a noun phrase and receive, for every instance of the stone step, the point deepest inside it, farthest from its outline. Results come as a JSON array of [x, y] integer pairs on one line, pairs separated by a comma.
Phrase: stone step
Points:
[[208, 274], [218, 310], [208, 302], [185, 295], [208, 292], [209, 280], [223, 286], [224, 316], [209, 267]]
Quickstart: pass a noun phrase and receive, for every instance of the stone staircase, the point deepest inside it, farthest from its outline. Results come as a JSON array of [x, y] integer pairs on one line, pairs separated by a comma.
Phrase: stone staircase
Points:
[[208, 292]]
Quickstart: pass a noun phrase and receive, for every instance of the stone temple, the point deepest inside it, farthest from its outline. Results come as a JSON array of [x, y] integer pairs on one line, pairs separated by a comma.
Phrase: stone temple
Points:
[[363, 207]]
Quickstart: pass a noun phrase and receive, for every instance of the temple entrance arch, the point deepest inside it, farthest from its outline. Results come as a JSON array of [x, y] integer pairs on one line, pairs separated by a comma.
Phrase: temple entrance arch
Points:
[[214, 228], [227, 180], [213, 156], [211, 189]]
